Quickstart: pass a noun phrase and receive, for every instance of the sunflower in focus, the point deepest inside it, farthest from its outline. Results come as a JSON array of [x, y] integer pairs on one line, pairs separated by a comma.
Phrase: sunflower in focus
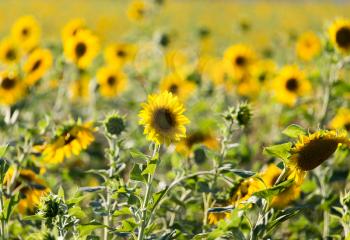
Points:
[[137, 10], [290, 84], [112, 81], [72, 139], [12, 88], [26, 32], [9, 51], [36, 65], [163, 119], [186, 145], [308, 46], [177, 85], [239, 59], [72, 28], [119, 53], [283, 199], [79, 89], [30, 187], [339, 33], [82, 48], [341, 120], [312, 150]]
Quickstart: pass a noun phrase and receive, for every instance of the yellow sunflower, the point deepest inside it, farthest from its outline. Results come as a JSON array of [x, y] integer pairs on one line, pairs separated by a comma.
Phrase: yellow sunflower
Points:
[[112, 81], [72, 28], [79, 89], [244, 191], [308, 46], [248, 87], [283, 199], [215, 217], [31, 189], [239, 59], [119, 53], [339, 34], [36, 65], [220, 76], [12, 88], [290, 84], [341, 120], [163, 119], [177, 85], [72, 140], [9, 51], [26, 32], [312, 150], [263, 71], [82, 48], [185, 146], [137, 10]]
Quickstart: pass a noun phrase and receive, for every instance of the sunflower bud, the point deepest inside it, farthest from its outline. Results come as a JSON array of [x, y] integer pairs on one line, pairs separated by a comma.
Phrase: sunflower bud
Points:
[[243, 114], [114, 124], [199, 155]]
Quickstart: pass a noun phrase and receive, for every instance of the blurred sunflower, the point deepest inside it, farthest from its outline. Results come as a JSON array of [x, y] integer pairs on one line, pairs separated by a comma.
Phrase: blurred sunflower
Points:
[[72, 28], [185, 146], [137, 10], [26, 32], [341, 120], [71, 139], [163, 119], [215, 217], [30, 187], [220, 75], [239, 58], [339, 33], [263, 72], [177, 85], [12, 88], [283, 199], [175, 59], [308, 46], [112, 81], [119, 53], [36, 65], [79, 89], [9, 51], [248, 87], [312, 150], [290, 84], [244, 190], [82, 48]]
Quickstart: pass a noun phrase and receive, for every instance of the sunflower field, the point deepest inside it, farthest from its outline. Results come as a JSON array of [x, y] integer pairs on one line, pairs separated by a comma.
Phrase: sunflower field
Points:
[[174, 119]]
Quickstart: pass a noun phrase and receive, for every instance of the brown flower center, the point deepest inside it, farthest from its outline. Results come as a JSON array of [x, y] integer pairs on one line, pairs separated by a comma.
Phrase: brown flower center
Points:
[[121, 53], [173, 88], [111, 80], [292, 85], [25, 32], [240, 61], [80, 49], [8, 83], [343, 37], [164, 119], [68, 138], [36, 65], [11, 54], [347, 126], [196, 137]]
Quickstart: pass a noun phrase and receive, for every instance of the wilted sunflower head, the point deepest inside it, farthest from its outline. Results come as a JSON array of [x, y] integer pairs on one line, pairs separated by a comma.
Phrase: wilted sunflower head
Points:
[[339, 33], [163, 119], [312, 150]]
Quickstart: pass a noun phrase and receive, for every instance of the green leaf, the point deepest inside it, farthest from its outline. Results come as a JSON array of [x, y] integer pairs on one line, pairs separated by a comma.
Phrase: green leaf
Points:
[[200, 236], [274, 190], [77, 212], [86, 229], [243, 173], [61, 192], [122, 211], [283, 216], [75, 200], [157, 197], [281, 151], [138, 156], [10, 206], [150, 169], [4, 166], [128, 225], [136, 173], [33, 218], [294, 131], [3, 150]]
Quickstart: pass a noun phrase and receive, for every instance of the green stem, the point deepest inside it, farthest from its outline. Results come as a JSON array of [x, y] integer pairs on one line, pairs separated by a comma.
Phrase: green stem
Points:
[[2, 214]]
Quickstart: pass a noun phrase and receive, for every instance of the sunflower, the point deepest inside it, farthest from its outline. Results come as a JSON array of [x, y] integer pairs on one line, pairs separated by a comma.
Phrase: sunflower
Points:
[[177, 85], [308, 46], [112, 81], [290, 84], [185, 146], [312, 150], [339, 33], [72, 28], [9, 51], [82, 48], [239, 59], [137, 10], [12, 88], [270, 176], [220, 75], [79, 89], [163, 119], [36, 65], [71, 140], [119, 53], [263, 71], [248, 87], [215, 217], [341, 120], [244, 190], [30, 187], [26, 32]]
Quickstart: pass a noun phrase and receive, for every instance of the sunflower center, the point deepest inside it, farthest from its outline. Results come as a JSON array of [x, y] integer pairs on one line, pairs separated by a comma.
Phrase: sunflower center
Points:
[[292, 84], [80, 49], [343, 37], [316, 152], [240, 61], [36, 65], [194, 138], [347, 126], [11, 54], [121, 53], [164, 119], [25, 32], [8, 83], [173, 88], [262, 77], [69, 138], [111, 80]]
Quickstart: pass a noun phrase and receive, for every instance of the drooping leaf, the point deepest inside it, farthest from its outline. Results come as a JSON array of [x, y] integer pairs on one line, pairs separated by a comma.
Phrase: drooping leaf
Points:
[[243, 173], [138, 156]]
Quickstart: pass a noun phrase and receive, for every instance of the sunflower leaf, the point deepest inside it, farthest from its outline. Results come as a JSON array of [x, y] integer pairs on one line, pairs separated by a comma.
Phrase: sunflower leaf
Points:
[[294, 130], [274, 190], [280, 151]]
